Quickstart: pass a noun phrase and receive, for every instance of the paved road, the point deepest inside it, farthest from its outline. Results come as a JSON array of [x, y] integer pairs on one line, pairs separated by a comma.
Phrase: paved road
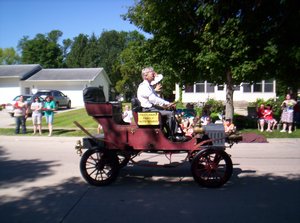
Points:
[[40, 182]]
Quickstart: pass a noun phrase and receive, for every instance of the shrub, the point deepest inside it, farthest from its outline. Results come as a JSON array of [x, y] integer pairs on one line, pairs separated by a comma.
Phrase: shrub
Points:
[[214, 105]]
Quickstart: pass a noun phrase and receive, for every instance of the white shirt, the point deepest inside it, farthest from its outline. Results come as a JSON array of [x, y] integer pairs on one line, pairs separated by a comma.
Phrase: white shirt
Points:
[[36, 108], [127, 116], [148, 97]]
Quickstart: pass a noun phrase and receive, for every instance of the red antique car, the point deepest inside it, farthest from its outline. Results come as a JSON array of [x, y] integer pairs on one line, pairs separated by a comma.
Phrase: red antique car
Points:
[[121, 142]]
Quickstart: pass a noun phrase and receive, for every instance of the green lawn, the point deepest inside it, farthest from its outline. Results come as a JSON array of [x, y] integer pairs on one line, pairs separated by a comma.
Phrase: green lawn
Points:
[[66, 119], [64, 126], [274, 134]]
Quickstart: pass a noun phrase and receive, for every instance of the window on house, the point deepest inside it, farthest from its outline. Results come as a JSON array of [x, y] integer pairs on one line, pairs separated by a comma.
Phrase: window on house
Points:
[[210, 88], [269, 86], [200, 87], [27, 90], [236, 87], [247, 87], [220, 87], [189, 88], [257, 87]]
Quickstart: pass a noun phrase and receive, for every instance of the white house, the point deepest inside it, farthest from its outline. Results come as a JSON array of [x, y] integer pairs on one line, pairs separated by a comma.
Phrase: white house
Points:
[[69, 81], [26, 79], [202, 91], [12, 78]]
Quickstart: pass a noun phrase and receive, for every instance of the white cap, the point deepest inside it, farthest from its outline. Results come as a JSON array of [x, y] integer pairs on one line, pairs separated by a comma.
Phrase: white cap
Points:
[[157, 79]]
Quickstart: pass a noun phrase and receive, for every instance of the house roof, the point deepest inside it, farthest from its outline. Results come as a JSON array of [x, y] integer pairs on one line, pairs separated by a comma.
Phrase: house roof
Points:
[[67, 74], [21, 71]]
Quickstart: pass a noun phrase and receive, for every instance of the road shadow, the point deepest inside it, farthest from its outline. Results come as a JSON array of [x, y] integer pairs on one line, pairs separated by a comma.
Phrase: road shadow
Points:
[[146, 194], [14, 172]]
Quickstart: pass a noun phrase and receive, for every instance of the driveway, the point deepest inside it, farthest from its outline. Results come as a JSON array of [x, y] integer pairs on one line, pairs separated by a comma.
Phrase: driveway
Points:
[[6, 121]]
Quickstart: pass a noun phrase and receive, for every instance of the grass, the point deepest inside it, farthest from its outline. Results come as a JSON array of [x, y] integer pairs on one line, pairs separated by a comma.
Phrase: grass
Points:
[[64, 126], [66, 119], [274, 134]]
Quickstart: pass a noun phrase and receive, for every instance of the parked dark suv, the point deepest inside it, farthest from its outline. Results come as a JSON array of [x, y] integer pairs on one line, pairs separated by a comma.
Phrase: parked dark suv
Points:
[[59, 98]]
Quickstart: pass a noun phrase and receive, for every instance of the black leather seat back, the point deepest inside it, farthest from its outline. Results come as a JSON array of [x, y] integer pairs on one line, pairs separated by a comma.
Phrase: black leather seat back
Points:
[[136, 105], [93, 95]]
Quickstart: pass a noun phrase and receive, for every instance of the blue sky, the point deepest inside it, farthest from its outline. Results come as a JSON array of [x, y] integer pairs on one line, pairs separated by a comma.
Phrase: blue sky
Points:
[[20, 18]]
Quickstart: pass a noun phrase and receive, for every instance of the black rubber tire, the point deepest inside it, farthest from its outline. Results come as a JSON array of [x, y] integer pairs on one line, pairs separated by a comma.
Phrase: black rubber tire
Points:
[[69, 105], [98, 167], [212, 168]]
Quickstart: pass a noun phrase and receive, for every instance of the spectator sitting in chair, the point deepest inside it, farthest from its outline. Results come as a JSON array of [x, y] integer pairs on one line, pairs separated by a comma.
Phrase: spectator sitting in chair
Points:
[[261, 119], [205, 117], [229, 126], [268, 115]]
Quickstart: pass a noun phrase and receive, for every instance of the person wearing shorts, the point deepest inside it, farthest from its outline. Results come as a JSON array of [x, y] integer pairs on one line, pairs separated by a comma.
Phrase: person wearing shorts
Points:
[[36, 108], [49, 108]]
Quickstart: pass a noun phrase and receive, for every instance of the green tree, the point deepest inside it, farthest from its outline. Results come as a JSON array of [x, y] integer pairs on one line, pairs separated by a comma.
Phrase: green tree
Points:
[[9, 56], [129, 65], [92, 55], [220, 41], [76, 57], [43, 50], [66, 48], [287, 39], [110, 45], [98, 52]]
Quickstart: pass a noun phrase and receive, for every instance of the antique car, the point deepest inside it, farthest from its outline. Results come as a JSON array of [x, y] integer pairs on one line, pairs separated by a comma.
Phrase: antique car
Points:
[[121, 143]]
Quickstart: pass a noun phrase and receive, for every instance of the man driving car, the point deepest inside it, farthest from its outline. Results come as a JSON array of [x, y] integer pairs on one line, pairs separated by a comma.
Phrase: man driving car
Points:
[[150, 101]]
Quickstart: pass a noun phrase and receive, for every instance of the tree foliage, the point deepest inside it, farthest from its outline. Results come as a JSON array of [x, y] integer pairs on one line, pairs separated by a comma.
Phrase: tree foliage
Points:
[[42, 49], [9, 56], [130, 63], [220, 41], [103, 52], [77, 55]]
